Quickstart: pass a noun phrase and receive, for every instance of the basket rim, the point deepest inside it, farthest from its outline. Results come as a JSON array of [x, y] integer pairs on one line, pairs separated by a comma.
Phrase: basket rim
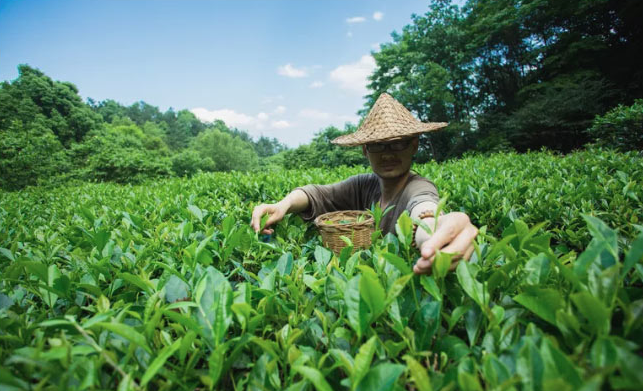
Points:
[[368, 222]]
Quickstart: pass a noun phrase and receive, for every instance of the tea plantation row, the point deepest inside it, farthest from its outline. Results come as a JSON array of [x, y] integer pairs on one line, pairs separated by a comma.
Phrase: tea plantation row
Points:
[[164, 286]]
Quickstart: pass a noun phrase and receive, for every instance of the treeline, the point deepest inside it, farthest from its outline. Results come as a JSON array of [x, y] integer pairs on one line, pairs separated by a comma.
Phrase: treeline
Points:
[[517, 74], [48, 135], [506, 74]]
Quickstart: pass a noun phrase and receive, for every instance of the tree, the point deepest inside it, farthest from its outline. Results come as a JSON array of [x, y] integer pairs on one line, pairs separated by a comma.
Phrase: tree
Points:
[[227, 152], [119, 154], [60, 107], [268, 146], [322, 153], [518, 74], [182, 129], [30, 154]]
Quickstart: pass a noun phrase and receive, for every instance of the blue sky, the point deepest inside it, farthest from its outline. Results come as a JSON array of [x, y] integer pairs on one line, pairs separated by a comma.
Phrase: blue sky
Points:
[[279, 68]]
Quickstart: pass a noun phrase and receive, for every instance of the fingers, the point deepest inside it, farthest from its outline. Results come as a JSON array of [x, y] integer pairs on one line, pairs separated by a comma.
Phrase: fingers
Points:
[[276, 214], [256, 217], [422, 266], [449, 226], [466, 256], [461, 244], [275, 217], [455, 236]]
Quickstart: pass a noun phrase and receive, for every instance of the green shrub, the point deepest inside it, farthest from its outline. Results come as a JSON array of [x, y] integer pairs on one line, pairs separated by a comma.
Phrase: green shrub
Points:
[[188, 162], [620, 128], [118, 156], [29, 154], [226, 151]]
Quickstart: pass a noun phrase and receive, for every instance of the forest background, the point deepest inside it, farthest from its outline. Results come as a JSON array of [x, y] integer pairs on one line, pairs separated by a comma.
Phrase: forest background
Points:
[[507, 75]]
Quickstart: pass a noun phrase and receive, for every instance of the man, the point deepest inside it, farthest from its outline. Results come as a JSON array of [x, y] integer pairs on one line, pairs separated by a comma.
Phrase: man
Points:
[[389, 139]]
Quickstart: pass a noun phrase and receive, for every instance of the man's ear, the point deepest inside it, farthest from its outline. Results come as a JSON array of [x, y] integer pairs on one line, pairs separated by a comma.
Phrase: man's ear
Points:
[[416, 144]]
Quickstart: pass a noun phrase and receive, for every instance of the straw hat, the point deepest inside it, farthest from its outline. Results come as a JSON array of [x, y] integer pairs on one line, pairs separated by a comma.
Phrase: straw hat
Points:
[[388, 120]]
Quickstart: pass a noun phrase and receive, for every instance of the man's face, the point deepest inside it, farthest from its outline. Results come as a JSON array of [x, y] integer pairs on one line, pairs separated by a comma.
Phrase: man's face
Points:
[[391, 159]]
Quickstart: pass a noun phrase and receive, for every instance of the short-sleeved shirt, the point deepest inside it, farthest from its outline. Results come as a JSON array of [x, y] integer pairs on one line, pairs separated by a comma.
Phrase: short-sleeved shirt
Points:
[[360, 192]]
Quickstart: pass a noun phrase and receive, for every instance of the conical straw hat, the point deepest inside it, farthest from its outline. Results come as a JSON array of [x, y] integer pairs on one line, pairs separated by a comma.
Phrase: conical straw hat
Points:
[[388, 120]]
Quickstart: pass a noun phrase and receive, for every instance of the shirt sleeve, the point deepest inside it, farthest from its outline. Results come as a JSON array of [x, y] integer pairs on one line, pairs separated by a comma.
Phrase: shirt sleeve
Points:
[[421, 190], [344, 195]]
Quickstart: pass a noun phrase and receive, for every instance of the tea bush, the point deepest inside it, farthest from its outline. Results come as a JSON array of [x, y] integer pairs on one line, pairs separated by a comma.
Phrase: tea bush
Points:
[[164, 286]]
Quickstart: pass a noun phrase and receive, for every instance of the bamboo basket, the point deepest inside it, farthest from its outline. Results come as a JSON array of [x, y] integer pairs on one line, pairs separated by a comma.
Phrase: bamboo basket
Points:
[[332, 225]]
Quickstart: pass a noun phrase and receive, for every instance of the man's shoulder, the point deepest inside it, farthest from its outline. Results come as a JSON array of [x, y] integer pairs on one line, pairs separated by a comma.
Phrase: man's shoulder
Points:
[[418, 181], [417, 177]]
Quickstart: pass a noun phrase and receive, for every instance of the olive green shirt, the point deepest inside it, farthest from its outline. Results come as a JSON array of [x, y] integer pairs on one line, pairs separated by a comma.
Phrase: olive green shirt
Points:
[[360, 192]]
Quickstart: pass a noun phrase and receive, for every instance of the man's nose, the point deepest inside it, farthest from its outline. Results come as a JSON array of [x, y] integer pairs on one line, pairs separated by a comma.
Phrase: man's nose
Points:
[[388, 155]]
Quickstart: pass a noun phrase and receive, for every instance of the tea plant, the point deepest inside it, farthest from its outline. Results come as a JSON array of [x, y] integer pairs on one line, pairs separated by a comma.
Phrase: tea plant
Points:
[[165, 286]]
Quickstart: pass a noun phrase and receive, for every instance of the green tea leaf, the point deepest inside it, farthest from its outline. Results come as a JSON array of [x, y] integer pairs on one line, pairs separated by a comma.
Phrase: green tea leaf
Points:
[[345, 360], [419, 374], [363, 360], [634, 255], [471, 286], [126, 332], [313, 376], [159, 361], [536, 269], [196, 212], [428, 283], [382, 377], [372, 291], [398, 262], [322, 255], [543, 302], [441, 264], [355, 307], [597, 315], [404, 229]]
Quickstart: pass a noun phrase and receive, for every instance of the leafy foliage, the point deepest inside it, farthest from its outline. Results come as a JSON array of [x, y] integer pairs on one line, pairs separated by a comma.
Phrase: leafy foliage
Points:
[[50, 136], [30, 154], [512, 74], [225, 151], [165, 286], [53, 104], [620, 128], [321, 153]]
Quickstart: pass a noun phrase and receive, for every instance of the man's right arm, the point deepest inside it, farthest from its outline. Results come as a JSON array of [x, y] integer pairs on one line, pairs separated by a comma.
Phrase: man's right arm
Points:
[[295, 202]]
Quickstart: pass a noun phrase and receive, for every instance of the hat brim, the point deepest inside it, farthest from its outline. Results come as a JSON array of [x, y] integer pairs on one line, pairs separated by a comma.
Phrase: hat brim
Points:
[[364, 136]]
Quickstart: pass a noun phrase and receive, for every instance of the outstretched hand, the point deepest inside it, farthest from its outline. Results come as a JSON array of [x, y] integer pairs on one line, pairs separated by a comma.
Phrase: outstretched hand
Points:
[[276, 212], [454, 234]]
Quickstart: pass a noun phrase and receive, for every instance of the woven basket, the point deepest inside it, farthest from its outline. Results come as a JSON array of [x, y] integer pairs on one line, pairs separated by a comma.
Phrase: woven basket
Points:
[[332, 225]]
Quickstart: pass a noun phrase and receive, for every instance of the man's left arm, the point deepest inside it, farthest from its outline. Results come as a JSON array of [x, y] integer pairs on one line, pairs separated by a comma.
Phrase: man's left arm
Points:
[[454, 234]]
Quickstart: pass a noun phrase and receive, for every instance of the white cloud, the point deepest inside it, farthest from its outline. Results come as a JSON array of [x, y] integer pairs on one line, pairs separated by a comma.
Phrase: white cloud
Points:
[[316, 84], [314, 114], [280, 110], [230, 117], [290, 71], [353, 77], [356, 19], [349, 34], [378, 15], [281, 124], [262, 116], [327, 118]]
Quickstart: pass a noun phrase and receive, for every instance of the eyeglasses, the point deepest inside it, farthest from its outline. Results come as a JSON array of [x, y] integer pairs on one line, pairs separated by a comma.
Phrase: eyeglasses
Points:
[[396, 146]]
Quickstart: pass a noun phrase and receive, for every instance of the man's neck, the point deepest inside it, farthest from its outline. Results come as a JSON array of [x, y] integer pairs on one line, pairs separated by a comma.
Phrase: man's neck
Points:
[[391, 187]]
